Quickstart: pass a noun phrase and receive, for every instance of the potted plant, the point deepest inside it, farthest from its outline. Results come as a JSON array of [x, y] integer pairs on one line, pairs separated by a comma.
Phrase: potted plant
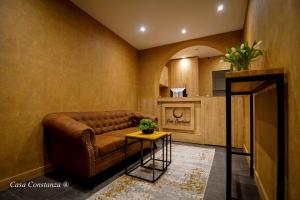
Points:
[[241, 56], [147, 126]]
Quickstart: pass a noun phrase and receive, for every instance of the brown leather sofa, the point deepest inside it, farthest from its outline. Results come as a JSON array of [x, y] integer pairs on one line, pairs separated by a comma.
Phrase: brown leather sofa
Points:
[[86, 143]]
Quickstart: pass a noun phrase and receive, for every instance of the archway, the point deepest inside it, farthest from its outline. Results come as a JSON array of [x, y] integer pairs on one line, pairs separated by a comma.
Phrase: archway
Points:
[[184, 59], [183, 46], [152, 60]]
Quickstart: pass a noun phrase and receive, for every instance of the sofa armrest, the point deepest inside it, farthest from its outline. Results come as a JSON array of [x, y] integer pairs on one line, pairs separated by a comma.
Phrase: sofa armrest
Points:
[[66, 127], [138, 116], [70, 144]]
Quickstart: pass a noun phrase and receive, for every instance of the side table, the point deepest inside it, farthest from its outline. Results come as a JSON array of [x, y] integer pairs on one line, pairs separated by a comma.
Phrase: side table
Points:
[[165, 138]]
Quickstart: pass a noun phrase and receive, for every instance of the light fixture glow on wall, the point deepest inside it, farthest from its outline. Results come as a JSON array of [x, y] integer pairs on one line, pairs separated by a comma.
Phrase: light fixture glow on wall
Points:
[[220, 8], [184, 64], [142, 29], [183, 31]]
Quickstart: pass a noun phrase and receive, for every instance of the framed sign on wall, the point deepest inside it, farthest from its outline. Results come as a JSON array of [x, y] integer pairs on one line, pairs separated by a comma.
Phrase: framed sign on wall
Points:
[[178, 116]]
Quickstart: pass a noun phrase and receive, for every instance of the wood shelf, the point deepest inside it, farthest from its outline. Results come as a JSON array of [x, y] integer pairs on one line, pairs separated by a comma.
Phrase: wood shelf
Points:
[[241, 86], [256, 72], [179, 99]]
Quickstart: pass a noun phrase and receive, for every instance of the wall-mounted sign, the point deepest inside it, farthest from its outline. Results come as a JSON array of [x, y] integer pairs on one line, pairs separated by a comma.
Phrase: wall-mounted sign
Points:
[[178, 116]]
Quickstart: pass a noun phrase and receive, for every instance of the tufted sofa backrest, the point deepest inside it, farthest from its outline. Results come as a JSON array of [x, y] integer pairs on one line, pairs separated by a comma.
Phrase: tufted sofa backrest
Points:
[[105, 121]]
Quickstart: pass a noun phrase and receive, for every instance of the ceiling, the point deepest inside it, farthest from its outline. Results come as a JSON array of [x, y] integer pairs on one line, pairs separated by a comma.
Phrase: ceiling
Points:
[[164, 19], [200, 51]]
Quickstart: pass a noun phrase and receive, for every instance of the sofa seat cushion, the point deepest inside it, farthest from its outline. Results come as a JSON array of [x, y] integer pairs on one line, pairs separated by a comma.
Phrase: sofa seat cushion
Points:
[[122, 133], [108, 144]]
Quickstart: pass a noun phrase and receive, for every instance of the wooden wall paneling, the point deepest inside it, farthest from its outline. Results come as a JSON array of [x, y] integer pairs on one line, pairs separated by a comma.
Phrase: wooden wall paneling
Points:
[[175, 77], [214, 121], [246, 143], [201, 119], [184, 73], [193, 81], [164, 77], [238, 121], [164, 91], [265, 154], [210, 126]]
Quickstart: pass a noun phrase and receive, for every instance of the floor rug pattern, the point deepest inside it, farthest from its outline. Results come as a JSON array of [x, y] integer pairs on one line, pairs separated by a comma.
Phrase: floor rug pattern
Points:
[[186, 178]]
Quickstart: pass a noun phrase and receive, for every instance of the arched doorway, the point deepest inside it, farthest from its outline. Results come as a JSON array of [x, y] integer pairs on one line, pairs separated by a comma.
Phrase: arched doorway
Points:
[[152, 61], [210, 46], [182, 70]]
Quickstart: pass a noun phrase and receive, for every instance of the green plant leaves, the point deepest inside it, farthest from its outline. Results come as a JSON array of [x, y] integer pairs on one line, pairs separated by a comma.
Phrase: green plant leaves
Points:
[[146, 124]]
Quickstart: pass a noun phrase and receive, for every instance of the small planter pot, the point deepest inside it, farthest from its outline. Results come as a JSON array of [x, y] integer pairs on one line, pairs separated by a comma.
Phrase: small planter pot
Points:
[[148, 131]]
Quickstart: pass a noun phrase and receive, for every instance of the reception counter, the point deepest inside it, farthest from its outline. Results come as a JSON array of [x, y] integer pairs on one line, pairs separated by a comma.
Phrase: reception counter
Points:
[[180, 99], [200, 119]]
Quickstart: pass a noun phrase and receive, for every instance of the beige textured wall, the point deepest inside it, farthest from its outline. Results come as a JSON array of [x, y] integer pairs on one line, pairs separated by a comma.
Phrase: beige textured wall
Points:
[[206, 66], [276, 23], [54, 57], [152, 62]]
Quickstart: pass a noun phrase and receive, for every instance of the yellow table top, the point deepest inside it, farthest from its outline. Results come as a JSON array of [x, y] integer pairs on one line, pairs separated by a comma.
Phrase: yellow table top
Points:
[[154, 136]]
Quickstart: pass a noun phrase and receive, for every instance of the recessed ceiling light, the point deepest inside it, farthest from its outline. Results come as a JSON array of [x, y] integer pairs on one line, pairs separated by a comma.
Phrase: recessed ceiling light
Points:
[[143, 29], [220, 8], [183, 31]]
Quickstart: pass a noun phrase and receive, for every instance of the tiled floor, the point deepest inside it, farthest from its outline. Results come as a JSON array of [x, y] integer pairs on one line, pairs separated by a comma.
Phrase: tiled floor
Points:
[[244, 187]]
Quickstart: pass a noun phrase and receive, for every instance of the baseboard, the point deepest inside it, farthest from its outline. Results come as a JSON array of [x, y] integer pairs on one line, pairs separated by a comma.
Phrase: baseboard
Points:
[[25, 176], [261, 189]]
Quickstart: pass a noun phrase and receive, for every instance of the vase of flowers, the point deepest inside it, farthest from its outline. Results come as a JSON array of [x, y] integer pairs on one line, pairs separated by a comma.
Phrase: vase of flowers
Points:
[[147, 126], [241, 56]]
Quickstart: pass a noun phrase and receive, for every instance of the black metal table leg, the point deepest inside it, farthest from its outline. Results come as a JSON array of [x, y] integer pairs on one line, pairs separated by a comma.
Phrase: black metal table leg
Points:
[[126, 155], [170, 148], [251, 136], [228, 140], [151, 155], [153, 162], [163, 153], [167, 159], [142, 153], [280, 137]]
